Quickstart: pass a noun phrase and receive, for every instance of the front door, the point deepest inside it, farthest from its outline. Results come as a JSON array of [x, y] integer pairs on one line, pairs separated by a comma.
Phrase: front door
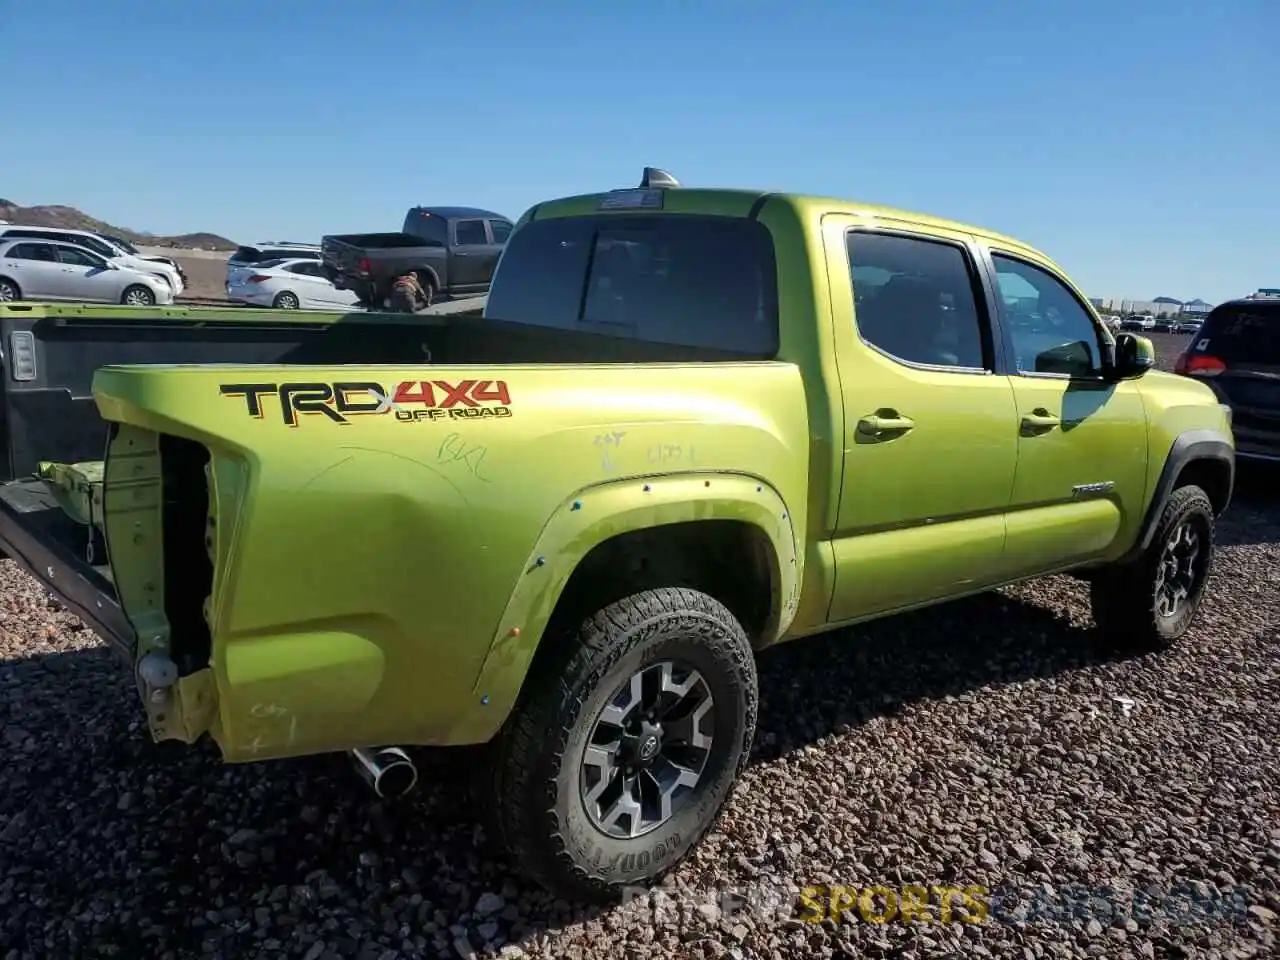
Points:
[[85, 275], [930, 442], [1082, 439]]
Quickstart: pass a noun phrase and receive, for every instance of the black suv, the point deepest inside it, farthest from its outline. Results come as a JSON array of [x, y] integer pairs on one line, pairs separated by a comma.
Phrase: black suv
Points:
[[1237, 353]]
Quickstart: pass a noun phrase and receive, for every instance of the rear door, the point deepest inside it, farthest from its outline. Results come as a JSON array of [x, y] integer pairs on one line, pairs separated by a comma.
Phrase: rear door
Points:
[[36, 269], [930, 440], [1237, 352]]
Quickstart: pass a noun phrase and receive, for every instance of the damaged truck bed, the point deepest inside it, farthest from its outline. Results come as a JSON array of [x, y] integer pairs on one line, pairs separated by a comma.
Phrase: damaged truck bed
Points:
[[52, 438]]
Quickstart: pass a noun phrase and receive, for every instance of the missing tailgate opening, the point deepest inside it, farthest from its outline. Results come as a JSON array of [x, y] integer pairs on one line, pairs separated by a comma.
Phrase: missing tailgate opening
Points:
[[188, 570]]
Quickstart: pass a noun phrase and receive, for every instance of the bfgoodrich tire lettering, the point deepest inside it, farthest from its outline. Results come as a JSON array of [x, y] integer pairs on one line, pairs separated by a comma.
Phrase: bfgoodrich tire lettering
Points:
[[1131, 602], [537, 801]]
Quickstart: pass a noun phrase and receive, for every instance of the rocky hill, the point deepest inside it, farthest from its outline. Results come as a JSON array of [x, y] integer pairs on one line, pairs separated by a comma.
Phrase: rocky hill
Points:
[[71, 218]]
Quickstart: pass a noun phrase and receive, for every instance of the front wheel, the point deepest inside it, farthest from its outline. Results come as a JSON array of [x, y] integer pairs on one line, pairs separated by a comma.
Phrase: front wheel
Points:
[[623, 748], [1152, 601], [9, 291], [138, 296]]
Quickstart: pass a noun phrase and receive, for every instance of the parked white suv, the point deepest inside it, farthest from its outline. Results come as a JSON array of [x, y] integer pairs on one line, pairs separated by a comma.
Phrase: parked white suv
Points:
[[100, 246]]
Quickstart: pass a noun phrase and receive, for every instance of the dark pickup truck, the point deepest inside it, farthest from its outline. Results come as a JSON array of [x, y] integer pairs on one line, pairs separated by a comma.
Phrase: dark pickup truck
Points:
[[453, 251]]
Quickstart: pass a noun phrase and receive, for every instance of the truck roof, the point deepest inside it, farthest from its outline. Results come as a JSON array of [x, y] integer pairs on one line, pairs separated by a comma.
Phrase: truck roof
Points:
[[731, 202], [459, 213]]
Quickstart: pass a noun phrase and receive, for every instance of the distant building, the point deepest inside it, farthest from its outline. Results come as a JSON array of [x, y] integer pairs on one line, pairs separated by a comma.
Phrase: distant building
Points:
[[1166, 306]]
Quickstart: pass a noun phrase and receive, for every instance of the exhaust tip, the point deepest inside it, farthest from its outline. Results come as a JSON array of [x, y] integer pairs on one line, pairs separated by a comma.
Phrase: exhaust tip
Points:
[[388, 770]]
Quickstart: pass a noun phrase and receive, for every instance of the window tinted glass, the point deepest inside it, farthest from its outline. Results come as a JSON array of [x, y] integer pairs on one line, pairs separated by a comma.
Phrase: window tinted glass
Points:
[[34, 251], [914, 299], [244, 255], [82, 258], [100, 247], [693, 281], [470, 232], [1051, 331], [501, 230], [286, 254], [1240, 332], [432, 230], [307, 269]]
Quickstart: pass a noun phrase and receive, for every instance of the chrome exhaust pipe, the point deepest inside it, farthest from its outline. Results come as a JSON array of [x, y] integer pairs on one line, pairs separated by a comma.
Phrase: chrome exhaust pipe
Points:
[[389, 770]]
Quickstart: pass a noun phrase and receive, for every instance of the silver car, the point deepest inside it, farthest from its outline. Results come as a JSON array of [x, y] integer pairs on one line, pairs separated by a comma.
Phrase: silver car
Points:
[[52, 270]]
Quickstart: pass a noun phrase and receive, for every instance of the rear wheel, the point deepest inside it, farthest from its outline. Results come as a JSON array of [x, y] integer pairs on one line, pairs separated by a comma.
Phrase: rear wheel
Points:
[[9, 290], [286, 301], [1152, 601], [138, 296], [625, 744]]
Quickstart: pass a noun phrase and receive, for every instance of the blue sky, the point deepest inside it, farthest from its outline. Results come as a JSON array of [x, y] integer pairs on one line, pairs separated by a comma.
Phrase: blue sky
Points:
[[1138, 143]]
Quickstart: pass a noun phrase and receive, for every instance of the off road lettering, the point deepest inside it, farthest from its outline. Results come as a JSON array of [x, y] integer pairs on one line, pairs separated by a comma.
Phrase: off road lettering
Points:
[[409, 401]]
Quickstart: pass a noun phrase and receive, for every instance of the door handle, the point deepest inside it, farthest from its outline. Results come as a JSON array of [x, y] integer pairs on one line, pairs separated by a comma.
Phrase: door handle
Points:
[[1039, 419], [876, 425]]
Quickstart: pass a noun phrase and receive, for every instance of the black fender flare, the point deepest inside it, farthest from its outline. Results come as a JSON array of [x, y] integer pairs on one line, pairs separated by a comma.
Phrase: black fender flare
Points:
[[1187, 448]]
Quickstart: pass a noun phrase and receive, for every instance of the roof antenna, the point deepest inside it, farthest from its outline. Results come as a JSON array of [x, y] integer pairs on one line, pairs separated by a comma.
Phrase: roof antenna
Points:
[[655, 178]]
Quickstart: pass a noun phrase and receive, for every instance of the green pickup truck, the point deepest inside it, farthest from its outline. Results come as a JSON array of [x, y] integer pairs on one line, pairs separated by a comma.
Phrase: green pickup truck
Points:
[[691, 424]]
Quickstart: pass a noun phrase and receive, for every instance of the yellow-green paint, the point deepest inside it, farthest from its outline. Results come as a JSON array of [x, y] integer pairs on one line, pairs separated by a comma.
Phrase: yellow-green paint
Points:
[[386, 581]]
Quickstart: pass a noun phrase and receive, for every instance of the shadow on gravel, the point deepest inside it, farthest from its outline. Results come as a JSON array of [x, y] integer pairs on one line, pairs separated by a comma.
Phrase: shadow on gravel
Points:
[[153, 849], [846, 678]]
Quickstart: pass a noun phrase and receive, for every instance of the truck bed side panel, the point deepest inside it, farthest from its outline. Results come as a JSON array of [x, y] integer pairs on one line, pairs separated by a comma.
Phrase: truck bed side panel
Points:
[[374, 631]]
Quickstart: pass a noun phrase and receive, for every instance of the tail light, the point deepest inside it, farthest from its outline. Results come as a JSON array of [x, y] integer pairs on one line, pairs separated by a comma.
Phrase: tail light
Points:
[[258, 278], [364, 266], [1199, 365]]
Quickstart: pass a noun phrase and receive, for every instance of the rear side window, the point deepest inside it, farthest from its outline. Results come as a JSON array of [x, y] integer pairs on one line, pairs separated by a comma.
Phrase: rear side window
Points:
[[470, 233], [914, 299], [244, 255], [284, 253], [1242, 333], [686, 280]]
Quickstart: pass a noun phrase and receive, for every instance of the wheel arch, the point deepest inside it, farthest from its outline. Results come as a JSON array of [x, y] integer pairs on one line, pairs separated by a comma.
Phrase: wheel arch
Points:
[[622, 537], [1203, 457]]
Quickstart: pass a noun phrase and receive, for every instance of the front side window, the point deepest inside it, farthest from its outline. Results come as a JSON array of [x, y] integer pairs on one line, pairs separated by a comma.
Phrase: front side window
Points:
[[501, 230], [1050, 330], [79, 258], [693, 281], [914, 299]]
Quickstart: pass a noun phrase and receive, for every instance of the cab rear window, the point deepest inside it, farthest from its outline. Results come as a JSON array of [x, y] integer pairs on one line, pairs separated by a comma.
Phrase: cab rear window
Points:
[[676, 279]]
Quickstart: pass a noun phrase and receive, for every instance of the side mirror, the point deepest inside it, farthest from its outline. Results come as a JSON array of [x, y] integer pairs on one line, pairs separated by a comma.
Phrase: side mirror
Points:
[[1134, 356]]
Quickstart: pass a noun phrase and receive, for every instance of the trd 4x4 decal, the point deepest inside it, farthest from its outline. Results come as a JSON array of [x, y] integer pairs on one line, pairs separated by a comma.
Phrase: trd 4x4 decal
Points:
[[410, 401]]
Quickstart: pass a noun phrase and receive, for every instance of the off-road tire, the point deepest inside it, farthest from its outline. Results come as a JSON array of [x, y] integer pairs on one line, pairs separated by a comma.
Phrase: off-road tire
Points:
[[9, 290], [1124, 596], [537, 810]]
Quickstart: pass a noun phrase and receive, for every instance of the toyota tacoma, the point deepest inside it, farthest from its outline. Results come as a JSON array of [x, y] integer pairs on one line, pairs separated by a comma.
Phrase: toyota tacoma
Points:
[[691, 424]]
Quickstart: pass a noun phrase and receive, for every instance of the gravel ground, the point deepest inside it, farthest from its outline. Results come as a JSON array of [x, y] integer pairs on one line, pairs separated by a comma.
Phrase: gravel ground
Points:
[[987, 743]]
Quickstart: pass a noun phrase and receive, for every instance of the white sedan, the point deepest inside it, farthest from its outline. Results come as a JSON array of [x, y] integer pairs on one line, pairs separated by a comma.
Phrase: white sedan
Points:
[[52, 270], [292, 284]]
